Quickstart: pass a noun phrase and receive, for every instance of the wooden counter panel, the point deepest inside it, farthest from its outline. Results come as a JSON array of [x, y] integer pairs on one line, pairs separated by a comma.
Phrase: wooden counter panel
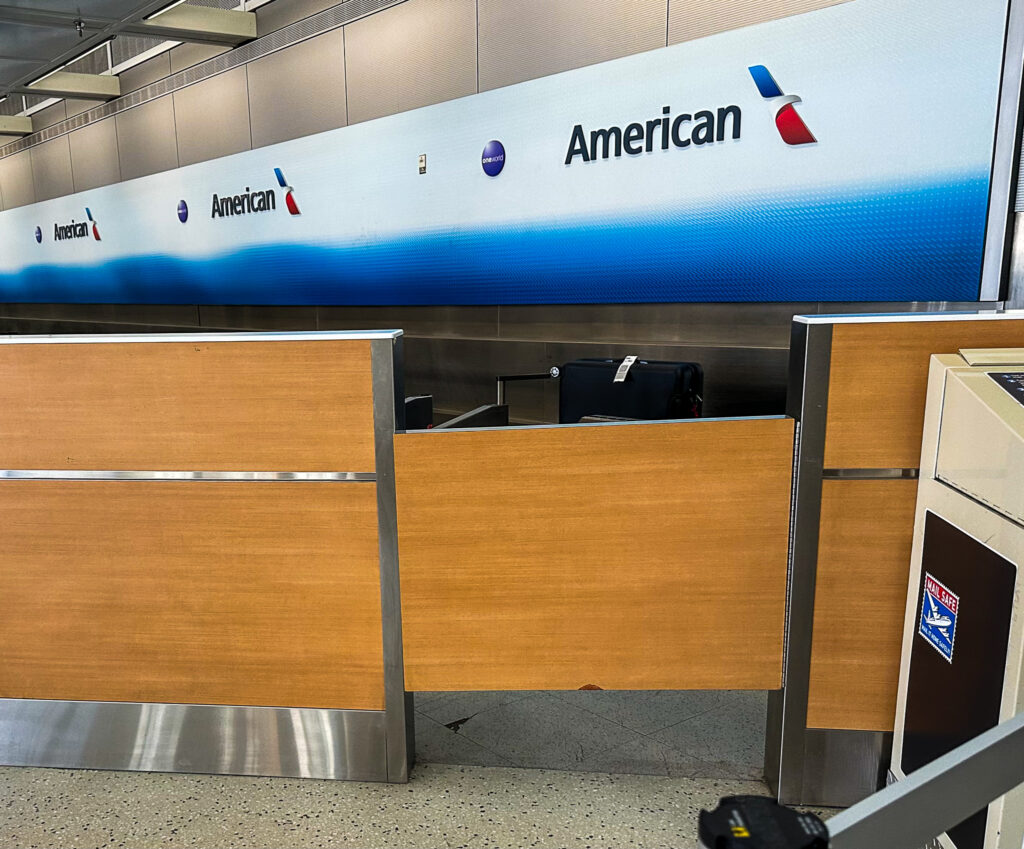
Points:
[[204, 593], [878, 378], [220, 406], [867, 529], [648, 556]]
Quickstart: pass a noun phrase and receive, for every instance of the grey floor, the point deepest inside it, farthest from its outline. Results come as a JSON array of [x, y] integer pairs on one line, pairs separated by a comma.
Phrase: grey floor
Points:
[[578, 769], [443, 806], [695, 734]]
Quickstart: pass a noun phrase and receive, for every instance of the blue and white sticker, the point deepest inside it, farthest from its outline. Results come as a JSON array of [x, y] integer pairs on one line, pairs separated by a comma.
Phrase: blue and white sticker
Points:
[[938, 616]]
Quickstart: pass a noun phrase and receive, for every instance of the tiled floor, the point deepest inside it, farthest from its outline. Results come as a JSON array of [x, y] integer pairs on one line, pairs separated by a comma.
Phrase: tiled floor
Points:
[[684, 750], [443, 806], [669, 733]]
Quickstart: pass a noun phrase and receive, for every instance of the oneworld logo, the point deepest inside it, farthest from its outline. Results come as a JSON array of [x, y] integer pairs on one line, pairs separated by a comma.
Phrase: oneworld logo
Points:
[[788, 121], [493, 158], [249, 201], [182, 211], [39, 234], [682, 130], [74, 230]]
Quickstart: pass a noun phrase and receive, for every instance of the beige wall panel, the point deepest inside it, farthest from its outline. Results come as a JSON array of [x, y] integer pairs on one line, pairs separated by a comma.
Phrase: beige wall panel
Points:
[[51, 168], [878, 378], [94, 155], [298, 91], [273, 16], [225, 96], [16, 182], [49, 116], [77, 107], [866, 532], [216, 406], [145, 73], [624, 556], [411, 55], [186, 55], [689, 19], [146, 139], [201, 593], [534, 38]]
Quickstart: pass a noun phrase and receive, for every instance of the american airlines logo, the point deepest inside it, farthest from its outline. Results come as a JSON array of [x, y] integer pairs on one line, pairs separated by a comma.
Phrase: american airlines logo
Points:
[[787, 120], [75, 229], [250, 201], [680, 130]]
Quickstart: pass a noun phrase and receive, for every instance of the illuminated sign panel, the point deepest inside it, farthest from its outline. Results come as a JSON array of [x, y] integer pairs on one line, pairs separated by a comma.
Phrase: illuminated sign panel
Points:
[[688, 173]]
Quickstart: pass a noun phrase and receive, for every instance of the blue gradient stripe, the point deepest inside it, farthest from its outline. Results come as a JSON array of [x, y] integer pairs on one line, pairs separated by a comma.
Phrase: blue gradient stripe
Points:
[[922, 242]]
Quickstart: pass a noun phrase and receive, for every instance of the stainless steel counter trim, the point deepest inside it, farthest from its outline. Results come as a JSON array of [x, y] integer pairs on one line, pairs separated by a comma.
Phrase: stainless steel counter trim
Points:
[[226, 336], [785, 755], [844, 766], [80, 475], [388, 414], [1005, 160], [633, 422], [978, 313], [217, 739], [871, 474]]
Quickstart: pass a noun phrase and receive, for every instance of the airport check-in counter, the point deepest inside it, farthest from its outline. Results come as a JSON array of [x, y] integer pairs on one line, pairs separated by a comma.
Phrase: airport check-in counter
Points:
[[199, 568], [201, 561], [857, 392], [224, 554]]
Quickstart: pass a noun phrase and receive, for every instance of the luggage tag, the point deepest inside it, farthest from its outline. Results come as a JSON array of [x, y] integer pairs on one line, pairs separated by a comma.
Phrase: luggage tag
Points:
[[624, 367]]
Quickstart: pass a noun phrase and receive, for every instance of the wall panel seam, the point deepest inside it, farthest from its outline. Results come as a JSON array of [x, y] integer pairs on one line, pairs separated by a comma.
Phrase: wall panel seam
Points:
[[329, 19]]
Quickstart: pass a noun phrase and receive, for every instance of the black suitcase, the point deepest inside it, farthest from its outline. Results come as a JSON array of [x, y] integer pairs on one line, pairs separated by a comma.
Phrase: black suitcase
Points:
[[651, 390]]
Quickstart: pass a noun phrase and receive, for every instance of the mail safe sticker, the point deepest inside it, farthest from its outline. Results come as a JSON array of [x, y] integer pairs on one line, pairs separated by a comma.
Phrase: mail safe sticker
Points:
[[938, 616]]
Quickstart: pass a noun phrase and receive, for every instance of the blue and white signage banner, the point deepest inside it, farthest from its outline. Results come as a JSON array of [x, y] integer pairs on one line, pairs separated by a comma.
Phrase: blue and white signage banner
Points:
[[842, 154], [939, 609]]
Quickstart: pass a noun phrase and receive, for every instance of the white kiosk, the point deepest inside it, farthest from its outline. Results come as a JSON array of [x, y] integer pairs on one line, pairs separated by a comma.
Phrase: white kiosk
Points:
[[964, 631]]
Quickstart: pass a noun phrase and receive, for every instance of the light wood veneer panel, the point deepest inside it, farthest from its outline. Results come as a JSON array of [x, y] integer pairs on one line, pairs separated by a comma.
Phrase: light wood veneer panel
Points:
[[866, 532], [204, 593], [879, 374], [215, 406], [623, 556]]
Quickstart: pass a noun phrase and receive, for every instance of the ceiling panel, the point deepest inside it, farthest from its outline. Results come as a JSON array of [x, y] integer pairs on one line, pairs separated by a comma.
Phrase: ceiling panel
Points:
[[91, 8], [12, 69], [30, 50], [18, 41]]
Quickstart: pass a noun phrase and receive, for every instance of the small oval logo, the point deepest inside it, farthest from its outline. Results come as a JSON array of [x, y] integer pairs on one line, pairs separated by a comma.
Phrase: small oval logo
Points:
[[39, 234], [182, 211], [493, 158]]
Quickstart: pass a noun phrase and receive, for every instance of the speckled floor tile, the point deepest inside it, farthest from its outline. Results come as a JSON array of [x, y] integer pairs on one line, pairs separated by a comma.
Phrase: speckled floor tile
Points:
[[545, 733], [445, 806]]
